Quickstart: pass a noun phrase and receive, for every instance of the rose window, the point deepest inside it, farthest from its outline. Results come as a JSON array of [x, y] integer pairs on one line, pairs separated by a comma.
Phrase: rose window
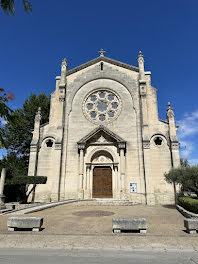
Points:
[[102, 106]]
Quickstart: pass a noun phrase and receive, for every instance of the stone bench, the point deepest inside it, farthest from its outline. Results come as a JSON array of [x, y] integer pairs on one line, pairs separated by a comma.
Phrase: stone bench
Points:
[[33, 223], [191, 225], [129, 224]]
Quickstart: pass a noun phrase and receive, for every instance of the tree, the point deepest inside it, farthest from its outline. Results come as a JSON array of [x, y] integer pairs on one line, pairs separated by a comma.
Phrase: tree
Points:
[[8, 6], [186, 176], [15, 166], [189, 180], [174, 176], [184, 162], [5, 112], [17, 135], [27, 181]]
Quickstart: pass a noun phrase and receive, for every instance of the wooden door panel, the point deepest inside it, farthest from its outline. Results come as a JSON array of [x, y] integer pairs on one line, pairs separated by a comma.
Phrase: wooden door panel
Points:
[[102, 182]]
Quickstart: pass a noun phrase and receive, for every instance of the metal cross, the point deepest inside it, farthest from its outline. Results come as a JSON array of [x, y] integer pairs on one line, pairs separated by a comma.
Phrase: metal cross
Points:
[[101, 52]]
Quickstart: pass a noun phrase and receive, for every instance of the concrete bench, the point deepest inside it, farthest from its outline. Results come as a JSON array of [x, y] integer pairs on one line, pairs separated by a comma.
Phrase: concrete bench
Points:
[[33, 223], [129, 224], [191, 225]]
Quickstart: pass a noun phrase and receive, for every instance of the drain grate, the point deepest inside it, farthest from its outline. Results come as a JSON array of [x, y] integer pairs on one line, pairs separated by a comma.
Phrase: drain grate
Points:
[[97, 213]]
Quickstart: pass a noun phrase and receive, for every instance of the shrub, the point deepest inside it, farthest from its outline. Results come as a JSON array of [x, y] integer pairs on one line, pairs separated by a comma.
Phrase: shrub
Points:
[[17, 188], [189, 204], [29, 180]]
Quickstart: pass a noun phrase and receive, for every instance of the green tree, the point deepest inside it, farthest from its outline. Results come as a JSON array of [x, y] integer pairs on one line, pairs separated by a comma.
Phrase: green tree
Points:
[[15, 167], [174, 176], [189, 179], [184, 162], [8, 6], [5, 112], [18, 135]]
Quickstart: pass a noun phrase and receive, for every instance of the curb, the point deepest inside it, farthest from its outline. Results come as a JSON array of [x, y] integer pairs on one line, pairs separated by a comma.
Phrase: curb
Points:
[[39, 208]]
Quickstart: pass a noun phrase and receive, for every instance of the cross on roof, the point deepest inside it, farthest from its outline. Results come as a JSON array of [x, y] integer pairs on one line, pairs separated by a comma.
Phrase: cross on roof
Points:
[[101, 52]]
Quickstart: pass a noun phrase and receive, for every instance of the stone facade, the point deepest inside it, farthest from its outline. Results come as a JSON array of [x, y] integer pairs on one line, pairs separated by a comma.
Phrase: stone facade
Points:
[[104, 114]]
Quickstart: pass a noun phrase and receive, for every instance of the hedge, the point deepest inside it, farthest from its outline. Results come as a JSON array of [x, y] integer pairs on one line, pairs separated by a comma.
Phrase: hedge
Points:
[[189, 204], [28, 180]]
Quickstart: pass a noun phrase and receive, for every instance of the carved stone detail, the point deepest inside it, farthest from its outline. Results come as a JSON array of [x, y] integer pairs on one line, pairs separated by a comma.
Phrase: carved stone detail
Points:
[[38, 115], [170, 113], [101, 139], [146, 144], [121, 145], [58, 146], [174, 145], [102, 159], [33, 148], [142, 90], [81, 146]]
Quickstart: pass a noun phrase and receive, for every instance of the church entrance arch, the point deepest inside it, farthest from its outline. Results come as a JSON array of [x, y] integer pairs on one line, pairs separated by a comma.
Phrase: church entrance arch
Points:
[[102, 182]]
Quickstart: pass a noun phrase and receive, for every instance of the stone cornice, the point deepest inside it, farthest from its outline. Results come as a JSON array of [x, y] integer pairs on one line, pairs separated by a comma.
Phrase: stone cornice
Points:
[[97, 130], [105, 59]]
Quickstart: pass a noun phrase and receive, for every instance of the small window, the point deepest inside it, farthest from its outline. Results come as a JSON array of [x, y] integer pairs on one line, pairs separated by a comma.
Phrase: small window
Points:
[[49, 143], [158, 141], [101, 66]]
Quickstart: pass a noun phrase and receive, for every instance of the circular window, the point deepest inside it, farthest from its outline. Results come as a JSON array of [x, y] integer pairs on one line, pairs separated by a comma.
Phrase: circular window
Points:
[[101, 106], [49, 143], [158, 141]]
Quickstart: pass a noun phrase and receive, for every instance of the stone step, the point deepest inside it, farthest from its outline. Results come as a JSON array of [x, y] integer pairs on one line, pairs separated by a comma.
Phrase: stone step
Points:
[[109, 202]]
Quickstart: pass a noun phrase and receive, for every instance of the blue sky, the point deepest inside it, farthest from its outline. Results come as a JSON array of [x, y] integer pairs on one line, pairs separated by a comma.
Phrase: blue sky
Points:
[[33, 45]]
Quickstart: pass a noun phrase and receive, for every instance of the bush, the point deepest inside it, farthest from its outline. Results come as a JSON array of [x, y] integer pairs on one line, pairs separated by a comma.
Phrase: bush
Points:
[[29, 180], [189, 204], [15, 193]]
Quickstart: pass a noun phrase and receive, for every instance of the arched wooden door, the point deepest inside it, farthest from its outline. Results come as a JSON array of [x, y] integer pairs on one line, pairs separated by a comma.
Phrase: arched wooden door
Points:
[[102, 182]]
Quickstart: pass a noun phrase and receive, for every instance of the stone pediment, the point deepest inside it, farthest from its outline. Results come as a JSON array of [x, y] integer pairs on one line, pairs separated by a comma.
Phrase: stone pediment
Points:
[[104, 59], [101, 136]]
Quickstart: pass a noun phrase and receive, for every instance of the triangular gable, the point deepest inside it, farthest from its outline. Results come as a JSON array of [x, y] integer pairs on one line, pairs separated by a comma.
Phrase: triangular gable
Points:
[[99, 129], [105, 59]]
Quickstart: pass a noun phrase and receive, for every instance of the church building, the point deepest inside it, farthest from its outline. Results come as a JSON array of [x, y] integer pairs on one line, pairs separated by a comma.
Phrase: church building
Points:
[[104, 138]]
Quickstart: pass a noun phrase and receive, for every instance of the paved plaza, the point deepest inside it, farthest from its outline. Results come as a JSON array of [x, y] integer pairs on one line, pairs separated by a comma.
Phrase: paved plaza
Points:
[[83, 225]]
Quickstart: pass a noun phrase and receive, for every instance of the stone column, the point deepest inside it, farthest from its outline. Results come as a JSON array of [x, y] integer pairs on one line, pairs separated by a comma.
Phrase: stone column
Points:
[[149, 190], [122, 169], [81, 171], [2, 183], [117, 183], [55, 189], [87, 187], [173, 137]]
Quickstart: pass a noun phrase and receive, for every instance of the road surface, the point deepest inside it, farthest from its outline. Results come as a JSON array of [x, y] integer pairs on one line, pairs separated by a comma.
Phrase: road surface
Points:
[[47, 256]]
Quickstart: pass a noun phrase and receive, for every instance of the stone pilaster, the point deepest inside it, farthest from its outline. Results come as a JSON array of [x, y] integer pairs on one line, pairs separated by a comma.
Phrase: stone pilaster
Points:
[[2, 183], [87, 182], [34, 146], [122, 147], [81, 148], [174, 143]]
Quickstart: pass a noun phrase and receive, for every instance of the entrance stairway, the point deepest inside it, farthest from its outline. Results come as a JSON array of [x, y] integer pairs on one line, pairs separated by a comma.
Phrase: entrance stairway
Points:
[[105, 201]]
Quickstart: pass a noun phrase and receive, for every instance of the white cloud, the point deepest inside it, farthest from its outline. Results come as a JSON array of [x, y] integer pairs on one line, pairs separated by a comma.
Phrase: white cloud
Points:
[[186, 149], [188, 127]]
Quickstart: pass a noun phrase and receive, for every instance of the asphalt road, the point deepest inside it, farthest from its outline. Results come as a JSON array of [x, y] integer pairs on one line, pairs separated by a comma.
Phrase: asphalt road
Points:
[[47, 256]]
